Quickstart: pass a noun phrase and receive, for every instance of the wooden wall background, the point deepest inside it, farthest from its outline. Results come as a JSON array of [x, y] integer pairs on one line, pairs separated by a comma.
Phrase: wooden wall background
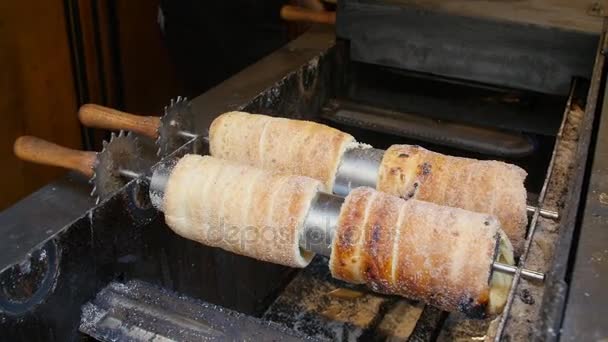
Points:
[[37, 90], [123, 63]]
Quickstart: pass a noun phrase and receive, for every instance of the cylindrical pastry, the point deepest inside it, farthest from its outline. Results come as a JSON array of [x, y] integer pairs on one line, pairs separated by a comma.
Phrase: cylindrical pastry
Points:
[[491, 187], [239, 208], [282, 145], [420, 250]]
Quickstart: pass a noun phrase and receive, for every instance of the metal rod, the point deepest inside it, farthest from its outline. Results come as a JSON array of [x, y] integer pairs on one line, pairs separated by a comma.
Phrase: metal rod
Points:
[[128, 173], [525, 273], [187, 135], [359, 167], [322, 219], [550, 214]]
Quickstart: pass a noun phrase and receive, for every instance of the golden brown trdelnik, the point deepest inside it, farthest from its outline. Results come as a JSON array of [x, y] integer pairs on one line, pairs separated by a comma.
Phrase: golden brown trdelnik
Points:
[[239, 208], [420, 250], [491, 187], [291, 146], [315, 150]]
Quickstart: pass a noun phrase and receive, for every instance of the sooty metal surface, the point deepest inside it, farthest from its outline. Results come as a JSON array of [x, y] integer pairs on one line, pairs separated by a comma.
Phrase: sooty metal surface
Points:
[[56, 206], [399, 35], [588, 291], [138, 311], [467, 137]]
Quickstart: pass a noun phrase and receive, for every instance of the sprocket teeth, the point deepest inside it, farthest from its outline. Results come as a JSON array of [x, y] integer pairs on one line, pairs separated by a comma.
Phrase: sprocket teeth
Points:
[[171, 121], [97, 200], [93, 192], [116, 153]]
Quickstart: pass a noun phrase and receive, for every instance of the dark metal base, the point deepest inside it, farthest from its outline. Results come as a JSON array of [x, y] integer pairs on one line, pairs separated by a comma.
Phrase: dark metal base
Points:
[[138, 311]]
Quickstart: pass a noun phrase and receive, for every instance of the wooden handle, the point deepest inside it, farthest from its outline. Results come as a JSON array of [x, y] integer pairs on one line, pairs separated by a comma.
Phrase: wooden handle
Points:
[[40, 151], [295, 13], [92, 115]]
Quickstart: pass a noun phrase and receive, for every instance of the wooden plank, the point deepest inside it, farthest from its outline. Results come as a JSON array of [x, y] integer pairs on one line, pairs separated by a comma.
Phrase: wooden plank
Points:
[[564, 14], [37, 91]]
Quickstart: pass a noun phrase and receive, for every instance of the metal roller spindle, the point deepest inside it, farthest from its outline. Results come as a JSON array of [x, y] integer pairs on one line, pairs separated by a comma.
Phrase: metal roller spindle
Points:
[[128, 174], [158, 180], [510, 269], [359, 167], [543, 212], [187, 135], [319, 225]]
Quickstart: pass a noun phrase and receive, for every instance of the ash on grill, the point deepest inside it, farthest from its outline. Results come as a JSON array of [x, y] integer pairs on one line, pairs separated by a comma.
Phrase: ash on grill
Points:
[[528, 302]]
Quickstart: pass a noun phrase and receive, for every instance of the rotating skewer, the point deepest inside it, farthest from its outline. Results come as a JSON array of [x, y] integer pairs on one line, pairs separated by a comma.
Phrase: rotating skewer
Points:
[[320, 223], [359, 166], [322, 219], [120, 157], [170, 130], [550, 214], [319, 226]]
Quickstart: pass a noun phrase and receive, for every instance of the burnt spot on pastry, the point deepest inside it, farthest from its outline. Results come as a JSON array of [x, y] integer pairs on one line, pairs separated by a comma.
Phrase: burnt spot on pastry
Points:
[[471, 308], [403, 155], [373, 278], [409, 195], [424, 169], [395, 170], [376, 230], [346, 239]]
